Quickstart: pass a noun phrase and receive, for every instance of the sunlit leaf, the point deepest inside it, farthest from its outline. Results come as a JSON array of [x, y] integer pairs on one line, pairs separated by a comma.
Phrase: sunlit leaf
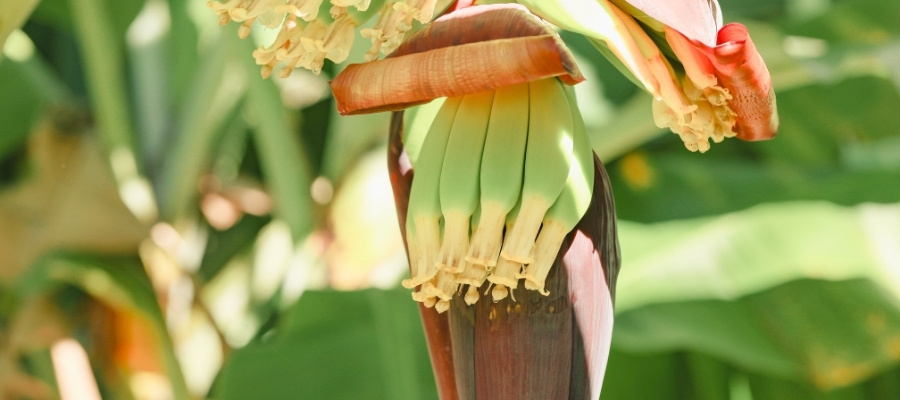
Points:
[[654, 187], [816, 333], [736, 254], [859, 21], [337, 345], [819, 119]]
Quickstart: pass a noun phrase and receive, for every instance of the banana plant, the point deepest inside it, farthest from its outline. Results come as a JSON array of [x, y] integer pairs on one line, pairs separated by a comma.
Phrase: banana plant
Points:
[[506, 149], [505, 186]]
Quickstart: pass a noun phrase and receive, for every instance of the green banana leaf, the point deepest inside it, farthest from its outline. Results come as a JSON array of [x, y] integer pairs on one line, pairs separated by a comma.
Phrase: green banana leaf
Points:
[[808, 302], [336, 345]]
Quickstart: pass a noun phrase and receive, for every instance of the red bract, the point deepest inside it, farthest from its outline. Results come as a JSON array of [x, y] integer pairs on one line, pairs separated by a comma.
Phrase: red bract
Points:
[[741, 69], [737, 64]]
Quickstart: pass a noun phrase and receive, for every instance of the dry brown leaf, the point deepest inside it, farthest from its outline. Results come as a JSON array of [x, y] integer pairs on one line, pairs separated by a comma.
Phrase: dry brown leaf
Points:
[[70, 202]]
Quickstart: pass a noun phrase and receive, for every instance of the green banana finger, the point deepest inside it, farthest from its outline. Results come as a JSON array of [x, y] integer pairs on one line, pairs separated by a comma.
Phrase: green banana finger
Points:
[[568, 209], [501, 170], [459, 188], [424, 199], [548, 157]]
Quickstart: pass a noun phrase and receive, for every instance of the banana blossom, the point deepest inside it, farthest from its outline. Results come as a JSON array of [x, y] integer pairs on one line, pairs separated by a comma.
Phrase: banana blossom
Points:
[[535, 346], [309, 31], [722, 89]]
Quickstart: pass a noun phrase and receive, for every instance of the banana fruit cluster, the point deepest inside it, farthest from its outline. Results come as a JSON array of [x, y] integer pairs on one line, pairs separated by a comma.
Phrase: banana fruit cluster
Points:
[[502, 177]]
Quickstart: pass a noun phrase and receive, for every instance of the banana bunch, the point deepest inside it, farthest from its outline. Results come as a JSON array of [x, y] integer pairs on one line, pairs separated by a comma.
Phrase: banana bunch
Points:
[[502, 177]]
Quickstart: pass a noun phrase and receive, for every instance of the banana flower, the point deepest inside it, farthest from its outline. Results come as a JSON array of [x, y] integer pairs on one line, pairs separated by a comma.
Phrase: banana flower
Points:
[[549, 342], [717, 87], [553, 340], [309, 31]]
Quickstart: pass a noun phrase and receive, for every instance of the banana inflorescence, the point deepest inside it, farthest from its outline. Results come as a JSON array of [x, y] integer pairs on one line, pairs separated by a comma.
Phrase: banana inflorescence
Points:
[[502, 177]]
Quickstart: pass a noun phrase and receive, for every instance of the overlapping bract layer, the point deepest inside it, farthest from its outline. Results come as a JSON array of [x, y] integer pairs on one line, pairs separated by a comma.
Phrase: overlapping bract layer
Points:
[[502, 177]]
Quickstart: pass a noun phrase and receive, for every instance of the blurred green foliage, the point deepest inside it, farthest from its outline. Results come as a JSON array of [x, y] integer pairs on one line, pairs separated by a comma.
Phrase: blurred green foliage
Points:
[[754, 271]]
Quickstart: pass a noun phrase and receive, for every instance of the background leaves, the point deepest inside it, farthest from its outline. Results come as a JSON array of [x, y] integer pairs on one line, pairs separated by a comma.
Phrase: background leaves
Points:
[[754, 271]]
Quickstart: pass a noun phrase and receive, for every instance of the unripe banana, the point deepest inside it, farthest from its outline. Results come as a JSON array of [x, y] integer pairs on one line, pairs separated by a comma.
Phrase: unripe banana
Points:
[[548, 157], [501, 171], [424, 198], [459, 191], [568, 209]]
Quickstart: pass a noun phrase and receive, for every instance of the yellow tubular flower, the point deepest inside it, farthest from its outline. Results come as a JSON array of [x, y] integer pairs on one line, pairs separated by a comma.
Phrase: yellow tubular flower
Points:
[[395, 20], [340, 6], [361, 5], [713, 118], [693, 107], [306, 52], [308, 10], [247, 12], [424, 9], [295, 46], [338, 40], [331, 36], [267, 56]]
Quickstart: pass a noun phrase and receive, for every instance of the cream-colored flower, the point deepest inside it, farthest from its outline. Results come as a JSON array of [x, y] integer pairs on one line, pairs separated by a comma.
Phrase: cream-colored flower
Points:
[[395, 20], [307, 10], [305, 39], [302, 51], [340, 6], [247, 12], [339, 39]]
